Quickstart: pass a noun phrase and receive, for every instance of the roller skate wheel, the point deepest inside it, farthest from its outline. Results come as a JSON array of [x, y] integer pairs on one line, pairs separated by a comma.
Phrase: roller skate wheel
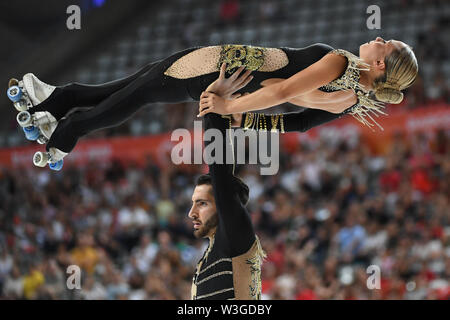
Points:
[[31, 133], [21, 105], [14, 93], [24, 119], [40, 159], [13, 82], [42, 139], [56, 166]]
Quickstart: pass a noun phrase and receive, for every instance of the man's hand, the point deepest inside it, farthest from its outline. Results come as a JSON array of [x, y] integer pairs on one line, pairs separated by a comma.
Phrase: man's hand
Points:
[[236, 119], [226, 87], [210, 102]]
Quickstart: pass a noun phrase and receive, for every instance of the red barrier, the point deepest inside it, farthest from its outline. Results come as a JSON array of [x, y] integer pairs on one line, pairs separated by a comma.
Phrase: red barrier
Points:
[[158, 147], [399, 119]]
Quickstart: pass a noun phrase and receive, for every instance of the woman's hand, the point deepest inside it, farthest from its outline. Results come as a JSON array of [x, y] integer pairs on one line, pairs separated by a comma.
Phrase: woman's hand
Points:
[[226, 87], [210, 102]]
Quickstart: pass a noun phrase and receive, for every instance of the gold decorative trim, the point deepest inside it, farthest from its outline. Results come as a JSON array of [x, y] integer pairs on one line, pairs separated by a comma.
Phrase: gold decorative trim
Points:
[[214, 293], [350, 79], [236, 56], [213, 264], [258, 121], [274, 118], [199, 266], [255, 263], [249, 118], [214, 275], [361, 111]]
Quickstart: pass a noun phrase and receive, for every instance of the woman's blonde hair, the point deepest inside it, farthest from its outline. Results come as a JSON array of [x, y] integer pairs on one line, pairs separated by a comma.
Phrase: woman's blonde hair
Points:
[[400, 72]]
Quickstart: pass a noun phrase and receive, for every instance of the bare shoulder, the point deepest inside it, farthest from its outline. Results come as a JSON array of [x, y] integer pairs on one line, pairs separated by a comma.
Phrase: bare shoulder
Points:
[[335, 60], [334, 64]]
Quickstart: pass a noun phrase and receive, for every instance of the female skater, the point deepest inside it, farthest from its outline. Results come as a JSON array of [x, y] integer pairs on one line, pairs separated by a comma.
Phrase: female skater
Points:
[[317, 76]]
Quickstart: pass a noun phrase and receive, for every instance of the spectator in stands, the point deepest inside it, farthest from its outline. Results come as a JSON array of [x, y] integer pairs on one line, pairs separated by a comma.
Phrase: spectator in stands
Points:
[[229, 12]]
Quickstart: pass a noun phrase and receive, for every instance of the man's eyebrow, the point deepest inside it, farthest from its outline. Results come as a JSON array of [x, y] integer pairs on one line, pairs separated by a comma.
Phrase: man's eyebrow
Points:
[[199, 200]]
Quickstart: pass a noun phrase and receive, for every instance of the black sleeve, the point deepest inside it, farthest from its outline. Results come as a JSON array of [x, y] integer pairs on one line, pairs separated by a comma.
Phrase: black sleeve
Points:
[[235, 227], [285, 122]]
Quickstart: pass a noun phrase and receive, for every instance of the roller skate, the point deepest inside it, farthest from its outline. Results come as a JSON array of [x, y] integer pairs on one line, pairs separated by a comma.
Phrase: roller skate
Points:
[[26, 94], [53, 157], [38, 126]]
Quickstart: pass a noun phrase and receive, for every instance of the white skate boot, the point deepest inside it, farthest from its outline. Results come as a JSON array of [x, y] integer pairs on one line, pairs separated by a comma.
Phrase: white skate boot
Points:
[[40, 125], [25, 95]]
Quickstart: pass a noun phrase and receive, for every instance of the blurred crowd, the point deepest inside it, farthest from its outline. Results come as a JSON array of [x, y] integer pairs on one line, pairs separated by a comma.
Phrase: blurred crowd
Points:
[[333, 210]]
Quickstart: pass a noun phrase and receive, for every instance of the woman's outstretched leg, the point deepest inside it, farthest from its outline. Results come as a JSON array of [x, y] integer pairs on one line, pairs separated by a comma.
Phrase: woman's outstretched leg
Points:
[[74, 95], [149, 87]]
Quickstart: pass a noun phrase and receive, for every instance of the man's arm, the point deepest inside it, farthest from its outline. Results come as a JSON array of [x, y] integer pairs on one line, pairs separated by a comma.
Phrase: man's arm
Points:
[[234, 221]]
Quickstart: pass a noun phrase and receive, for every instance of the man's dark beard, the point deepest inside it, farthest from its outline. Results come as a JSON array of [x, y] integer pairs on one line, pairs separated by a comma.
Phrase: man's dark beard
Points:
[[206, 227]]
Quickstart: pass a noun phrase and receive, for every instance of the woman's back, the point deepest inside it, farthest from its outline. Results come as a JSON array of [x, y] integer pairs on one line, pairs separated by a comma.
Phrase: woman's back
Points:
[[286, 61]]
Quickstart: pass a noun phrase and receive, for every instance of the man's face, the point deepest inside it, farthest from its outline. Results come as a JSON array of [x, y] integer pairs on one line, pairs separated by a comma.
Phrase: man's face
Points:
[[203, 212]]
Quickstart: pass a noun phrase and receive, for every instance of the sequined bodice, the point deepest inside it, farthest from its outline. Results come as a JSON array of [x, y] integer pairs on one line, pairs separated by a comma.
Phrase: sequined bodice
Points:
[[350, 80]]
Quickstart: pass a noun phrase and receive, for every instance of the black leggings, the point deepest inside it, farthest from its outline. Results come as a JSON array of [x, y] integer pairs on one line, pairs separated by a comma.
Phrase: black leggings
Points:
[[115, 102]]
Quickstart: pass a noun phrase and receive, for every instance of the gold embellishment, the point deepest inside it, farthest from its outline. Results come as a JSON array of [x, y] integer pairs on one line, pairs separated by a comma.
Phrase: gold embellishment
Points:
[[214, 293], [258, 121], [350, 80], [213, 264], [249, 118], [213, 276], [205, 257], [255, 263], [361, 111], [199, 266], [236, 56], [274, 120]]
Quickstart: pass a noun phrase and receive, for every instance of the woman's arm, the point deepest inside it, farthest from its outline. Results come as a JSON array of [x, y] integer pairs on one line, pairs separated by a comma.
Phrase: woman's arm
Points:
[[316, 75]]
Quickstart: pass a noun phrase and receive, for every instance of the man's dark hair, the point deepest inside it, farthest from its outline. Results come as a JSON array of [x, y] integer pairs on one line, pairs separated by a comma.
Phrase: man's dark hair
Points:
[[240, 186]]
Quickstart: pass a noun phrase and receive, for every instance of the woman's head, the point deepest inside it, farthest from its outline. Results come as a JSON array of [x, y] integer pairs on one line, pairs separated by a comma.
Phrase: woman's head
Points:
[[393, 67]]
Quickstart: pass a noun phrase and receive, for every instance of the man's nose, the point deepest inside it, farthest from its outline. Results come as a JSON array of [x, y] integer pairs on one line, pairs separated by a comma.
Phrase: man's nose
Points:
[[379, 39], [192, 213]]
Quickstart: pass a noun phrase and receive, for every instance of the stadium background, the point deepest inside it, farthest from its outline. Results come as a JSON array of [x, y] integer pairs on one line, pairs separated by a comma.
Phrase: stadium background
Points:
[[345, 197]]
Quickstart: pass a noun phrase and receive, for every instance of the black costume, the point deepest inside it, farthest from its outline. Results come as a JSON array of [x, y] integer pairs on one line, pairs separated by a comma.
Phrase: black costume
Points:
[[116, 101], [231, 266]]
